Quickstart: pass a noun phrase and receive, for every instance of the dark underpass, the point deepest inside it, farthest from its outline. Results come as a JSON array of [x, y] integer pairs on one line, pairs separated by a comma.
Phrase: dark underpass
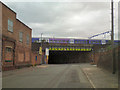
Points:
[[64, 57]]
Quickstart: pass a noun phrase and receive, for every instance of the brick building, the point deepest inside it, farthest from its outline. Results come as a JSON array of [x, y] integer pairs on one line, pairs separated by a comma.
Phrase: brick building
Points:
[[35, 51], [16, 40], [35, 58]]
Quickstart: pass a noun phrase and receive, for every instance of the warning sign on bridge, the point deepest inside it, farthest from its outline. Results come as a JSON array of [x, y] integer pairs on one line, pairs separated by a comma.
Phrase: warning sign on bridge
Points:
[[47, 52]]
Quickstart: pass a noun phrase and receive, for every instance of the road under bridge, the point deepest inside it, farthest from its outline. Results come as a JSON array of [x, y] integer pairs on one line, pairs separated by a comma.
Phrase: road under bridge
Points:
[[63, 54], [64, 57], [66, 53]]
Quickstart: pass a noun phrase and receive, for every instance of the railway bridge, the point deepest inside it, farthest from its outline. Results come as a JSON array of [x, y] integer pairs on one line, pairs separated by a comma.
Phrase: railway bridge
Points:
[[63, 50], [69, 53]]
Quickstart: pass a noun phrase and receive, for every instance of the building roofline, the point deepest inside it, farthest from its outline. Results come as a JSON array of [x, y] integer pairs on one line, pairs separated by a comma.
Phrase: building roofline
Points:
[[23, 23], [15, 14], [8, 7]]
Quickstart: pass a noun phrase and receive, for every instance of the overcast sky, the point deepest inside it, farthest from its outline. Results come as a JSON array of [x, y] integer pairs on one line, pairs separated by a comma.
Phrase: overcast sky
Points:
[[65, 19]]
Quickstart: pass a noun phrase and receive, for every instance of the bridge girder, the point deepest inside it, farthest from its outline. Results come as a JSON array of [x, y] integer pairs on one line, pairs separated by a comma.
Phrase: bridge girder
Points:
[[70, 47]]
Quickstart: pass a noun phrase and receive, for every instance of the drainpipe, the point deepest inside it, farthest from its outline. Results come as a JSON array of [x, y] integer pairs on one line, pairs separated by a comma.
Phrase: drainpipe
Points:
[[14, 54], [41, 47]]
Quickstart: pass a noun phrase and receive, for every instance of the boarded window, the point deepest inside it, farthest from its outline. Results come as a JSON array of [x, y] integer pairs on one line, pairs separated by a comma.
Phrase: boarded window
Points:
[[8, 54], [27, 56], [20, 57]]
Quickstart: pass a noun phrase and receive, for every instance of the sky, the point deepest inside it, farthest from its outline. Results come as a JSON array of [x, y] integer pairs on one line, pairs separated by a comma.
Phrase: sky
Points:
[[66, 19]]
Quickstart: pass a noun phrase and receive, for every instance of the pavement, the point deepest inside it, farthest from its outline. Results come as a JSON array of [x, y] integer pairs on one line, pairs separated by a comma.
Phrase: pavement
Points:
[[100, 78], [59, 76]]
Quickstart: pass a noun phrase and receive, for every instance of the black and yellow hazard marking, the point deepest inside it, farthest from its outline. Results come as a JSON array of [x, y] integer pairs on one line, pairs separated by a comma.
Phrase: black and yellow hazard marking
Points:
[[68, 49]]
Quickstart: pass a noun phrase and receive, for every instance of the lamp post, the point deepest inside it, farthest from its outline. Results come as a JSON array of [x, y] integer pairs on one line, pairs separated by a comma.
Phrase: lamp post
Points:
[[112, 38], [41, 47]]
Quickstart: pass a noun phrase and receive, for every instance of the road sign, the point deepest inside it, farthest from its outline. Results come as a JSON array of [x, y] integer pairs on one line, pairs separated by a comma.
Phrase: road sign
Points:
[[40, 50]]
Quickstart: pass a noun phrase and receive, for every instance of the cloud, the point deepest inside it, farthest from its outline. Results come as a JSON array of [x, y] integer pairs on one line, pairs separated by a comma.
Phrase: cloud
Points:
[[63, 19]]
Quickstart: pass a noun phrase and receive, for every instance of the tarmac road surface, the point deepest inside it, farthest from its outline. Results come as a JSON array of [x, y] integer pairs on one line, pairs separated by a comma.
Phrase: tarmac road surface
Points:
[[48, 76]]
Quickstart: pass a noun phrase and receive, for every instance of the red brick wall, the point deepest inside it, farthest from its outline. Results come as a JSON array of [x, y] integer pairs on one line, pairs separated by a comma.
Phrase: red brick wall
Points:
[[20, 27], [33, 58], [8, 14], [104, 59], [7, 55], [96, 57], [22, 49]]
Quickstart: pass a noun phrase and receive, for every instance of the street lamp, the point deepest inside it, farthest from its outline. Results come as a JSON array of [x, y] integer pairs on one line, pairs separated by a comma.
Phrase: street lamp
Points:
[[41, 47], [112, 38]]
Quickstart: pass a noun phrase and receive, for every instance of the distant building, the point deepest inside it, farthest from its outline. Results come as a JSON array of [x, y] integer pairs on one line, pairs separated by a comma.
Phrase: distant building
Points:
[[16, 40]]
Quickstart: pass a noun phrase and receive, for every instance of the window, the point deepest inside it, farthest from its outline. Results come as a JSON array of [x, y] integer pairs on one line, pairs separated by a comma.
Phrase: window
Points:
[[49, 41], [59, 41], [63, 41], [27, 39], [82, 42], [99, 42], [55, 41], [94, 42], [67, 41], [10, 25], [21, 36], [76, 42], [8, 49]]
